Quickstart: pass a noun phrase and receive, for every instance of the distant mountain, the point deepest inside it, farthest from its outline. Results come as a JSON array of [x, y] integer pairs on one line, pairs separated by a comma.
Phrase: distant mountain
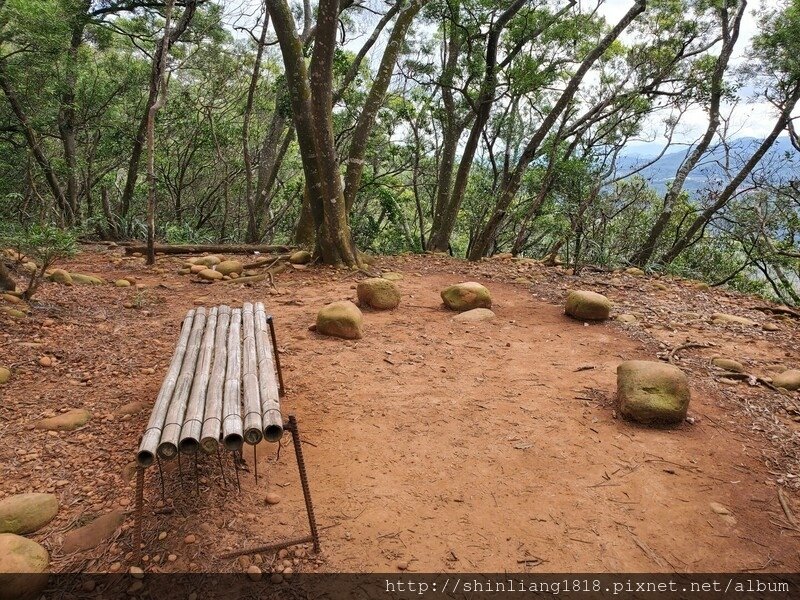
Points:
[[782, 161]]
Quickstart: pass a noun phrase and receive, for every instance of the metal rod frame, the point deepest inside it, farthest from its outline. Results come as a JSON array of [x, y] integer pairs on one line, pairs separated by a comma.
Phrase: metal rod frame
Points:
[[297, 442]]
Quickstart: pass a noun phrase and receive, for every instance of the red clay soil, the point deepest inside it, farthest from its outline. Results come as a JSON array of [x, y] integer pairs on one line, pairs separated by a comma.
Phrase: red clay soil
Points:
[[431, 445]]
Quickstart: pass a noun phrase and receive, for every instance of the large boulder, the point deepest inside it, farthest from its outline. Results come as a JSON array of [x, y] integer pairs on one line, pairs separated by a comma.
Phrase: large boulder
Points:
[[378, 293], [466, 296], [586, 305], [789, 380], [652, 392], [72, 419], [301, 257], [26, 513], [23, 567], [5, 375], [227, 267], [93, 534], [726, 319], [60, 276], [340, 319]]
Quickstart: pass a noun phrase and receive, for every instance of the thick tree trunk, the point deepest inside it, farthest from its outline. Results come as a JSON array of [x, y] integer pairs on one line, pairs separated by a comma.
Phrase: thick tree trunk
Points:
[[488, 234], [374, 100], [730, 32], [311, 98]]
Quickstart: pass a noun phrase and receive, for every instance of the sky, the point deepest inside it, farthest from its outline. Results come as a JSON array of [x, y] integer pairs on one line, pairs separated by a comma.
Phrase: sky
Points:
[[747, 118]]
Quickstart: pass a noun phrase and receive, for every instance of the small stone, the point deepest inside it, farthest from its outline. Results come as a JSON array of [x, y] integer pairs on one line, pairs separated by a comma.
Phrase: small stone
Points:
[[46, 361], [466, 296], [195, 269], [135, 588], [287, 573], [301, 257], [230, 267], [207, 261], [276, 578], [136, 572], [92, 535], [254, 573], [730, 365], [122, 283], [210, 275], [5, 375], [72, 419], [789, 380], [272, 498], [190, 539], [60, 276], [391, 276], [115, 567], [89, 585], [770, 327], [172, 558], [634, 271], [723, 319], [474, 316], [162, 536], [719, 508], [402, 565]]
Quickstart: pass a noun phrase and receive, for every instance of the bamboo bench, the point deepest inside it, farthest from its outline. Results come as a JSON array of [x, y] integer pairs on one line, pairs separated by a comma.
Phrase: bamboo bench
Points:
[[222, 390]]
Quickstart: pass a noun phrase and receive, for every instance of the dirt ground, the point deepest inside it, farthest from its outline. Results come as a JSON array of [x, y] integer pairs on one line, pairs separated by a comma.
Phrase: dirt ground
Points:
[[430, 445]]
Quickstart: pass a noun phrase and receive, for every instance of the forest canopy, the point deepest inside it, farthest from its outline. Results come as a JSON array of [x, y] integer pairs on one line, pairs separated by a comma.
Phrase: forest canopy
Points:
[[474, 127]]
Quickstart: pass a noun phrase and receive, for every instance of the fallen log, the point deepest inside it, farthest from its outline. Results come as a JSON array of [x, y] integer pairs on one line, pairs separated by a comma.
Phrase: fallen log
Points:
[[213, 248]]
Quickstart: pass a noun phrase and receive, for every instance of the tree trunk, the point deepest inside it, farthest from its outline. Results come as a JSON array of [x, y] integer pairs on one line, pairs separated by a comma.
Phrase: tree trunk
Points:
[[6, 282], [688, 237], [730, 36], [488, 234]]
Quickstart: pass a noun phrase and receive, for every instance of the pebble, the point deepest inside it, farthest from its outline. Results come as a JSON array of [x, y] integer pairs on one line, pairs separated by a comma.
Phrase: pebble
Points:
[[283, 553], [402, 565], [115, 567], [136, 572], [135, 588], [254, 573], [46, 361], [276, 578], [272, 498], [172, 558], [190, 539], [89, 585], [162, 535]]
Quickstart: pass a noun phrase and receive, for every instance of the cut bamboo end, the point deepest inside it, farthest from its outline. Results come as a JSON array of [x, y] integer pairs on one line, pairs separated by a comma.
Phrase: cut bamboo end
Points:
[[233, 441], [145, 458]]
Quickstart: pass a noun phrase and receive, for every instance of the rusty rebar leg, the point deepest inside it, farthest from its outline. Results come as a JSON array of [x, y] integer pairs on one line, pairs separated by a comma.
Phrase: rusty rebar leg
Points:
[[301, 467], [222, 469], [138, 515], [236, 468], [161, 479], [255, 461], [281, 389]]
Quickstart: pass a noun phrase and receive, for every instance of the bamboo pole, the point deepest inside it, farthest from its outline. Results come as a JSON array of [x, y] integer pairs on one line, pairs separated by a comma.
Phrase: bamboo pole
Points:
[[149, 443], [232, 405], [168, 448], [250, 391], [195, 409], [267, 379], [212, 420]]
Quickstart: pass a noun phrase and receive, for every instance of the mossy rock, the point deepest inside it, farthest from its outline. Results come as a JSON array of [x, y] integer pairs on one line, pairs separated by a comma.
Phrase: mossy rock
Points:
[[5, 375], [12, 312], [210, 275], [230, 267], [11, 299], [122, 283], [23, 567], [378, 293], [730, 365], [26, 513], [340, 319], [626, 318], [789, 380], [634, 271], [301, 257], [82, 279], [72, 419], [391, 276], [587, 305], [60, 276], [195, 269], [466, 296], [652, 393]]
